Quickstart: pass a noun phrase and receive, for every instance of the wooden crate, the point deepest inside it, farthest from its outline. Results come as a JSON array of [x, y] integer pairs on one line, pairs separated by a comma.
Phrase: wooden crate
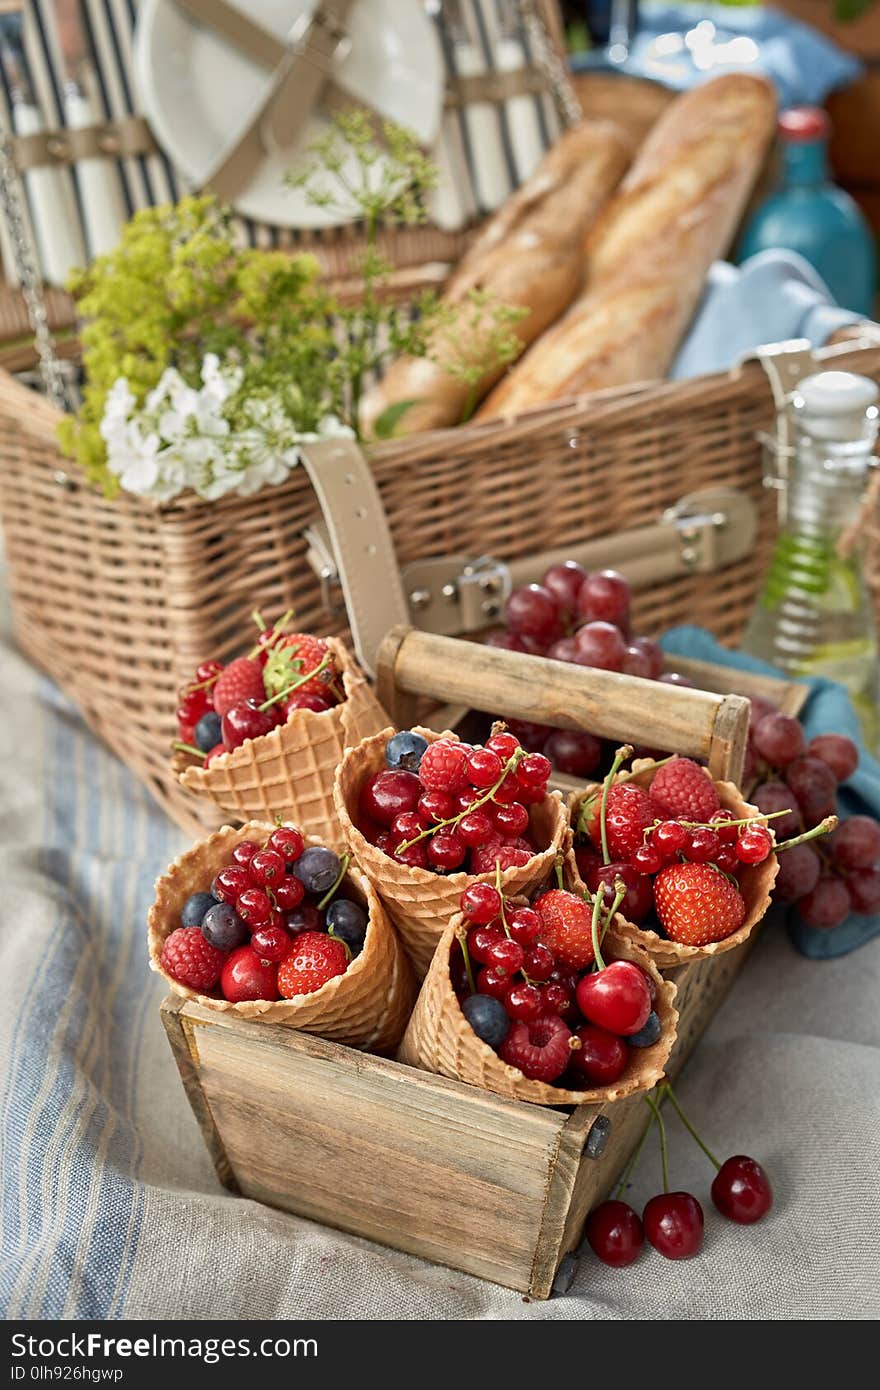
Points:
[[434, 1167]]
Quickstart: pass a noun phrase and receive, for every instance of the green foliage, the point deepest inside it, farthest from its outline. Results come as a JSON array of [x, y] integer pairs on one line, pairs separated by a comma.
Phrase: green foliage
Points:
[[473, 336]]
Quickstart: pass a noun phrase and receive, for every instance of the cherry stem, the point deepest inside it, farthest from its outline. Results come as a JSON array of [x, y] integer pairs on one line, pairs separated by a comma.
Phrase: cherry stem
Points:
[[594, 928], [666, 1089], [344, 862], [289, 689], [558, 869], [257, 617], [620, 891], [620, 756], [662, 1128], [630, 1167], [707, 825], [503, 914], [187, 748], [468, 967], [278, 632], [513, 761], [823, 828]]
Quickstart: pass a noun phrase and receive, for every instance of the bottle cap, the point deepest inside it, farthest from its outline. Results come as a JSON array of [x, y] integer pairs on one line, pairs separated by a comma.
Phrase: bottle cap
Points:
[[802, 123], [836, 405]]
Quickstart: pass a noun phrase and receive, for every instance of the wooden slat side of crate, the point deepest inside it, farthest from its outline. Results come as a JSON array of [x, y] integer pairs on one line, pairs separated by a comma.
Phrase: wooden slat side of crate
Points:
[[427, 1165]]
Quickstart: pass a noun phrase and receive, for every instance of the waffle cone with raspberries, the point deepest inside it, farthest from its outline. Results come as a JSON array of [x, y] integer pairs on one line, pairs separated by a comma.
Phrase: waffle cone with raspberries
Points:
[[420, 902], [755, 880], [289, 771], [439, 1038], [366, 1007]]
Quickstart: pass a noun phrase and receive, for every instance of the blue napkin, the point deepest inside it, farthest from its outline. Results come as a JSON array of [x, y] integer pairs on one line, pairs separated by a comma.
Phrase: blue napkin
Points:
[[828, 710], [684, 45]]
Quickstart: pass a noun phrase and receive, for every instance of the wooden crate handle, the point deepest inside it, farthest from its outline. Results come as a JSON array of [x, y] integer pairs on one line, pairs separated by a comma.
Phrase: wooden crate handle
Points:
[[622, 708]]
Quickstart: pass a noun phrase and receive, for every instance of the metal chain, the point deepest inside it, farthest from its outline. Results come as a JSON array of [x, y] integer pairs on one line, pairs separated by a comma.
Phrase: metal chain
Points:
[[549, 62], [24, 255]]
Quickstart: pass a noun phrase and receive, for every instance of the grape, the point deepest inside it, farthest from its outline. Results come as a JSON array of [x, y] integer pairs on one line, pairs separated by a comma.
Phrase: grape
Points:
[[827, 905], [637, 663], [532, 736], [759, 708], [563, 650], [600, 644], [536, 646], [799, 870], [814, 786], [532, 611], [837, 751], [776, 796], [864, 891], [675, 678], [652, 651], [855, 844], [578, 754], [779, 739], [564, 583], [507, 641], [604, 597]]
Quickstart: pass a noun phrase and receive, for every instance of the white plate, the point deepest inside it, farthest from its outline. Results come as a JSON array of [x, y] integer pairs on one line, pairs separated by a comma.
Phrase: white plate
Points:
[[199, 93]]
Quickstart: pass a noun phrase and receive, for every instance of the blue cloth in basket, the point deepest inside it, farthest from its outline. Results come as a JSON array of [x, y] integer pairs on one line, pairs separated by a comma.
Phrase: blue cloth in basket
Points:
[[828, 710]]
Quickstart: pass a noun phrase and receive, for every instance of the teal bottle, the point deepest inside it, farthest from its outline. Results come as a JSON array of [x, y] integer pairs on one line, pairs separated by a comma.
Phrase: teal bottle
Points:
[[810, 215]]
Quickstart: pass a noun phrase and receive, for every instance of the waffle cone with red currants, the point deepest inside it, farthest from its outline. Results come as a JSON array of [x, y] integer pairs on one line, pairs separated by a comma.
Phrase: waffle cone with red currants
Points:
[[696, 859], [519, 1004], [317, 968], [421, 868], [288, 770]]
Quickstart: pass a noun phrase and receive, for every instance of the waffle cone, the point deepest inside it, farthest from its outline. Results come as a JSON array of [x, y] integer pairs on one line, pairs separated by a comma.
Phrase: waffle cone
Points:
[[421, 903], [367, 1007], [289, 772], [440, 1039], [755, 883]]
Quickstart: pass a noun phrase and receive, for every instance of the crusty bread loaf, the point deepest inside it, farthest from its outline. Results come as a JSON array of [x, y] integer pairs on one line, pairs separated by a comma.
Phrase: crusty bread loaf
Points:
[[530, 255], [647, 255]]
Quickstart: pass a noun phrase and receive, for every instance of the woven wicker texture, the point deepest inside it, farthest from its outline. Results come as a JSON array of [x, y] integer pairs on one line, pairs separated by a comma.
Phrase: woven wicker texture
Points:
[[755, 881], [290, 771], [121, 600], [367, 1007], [440, 1039], [422, 903]]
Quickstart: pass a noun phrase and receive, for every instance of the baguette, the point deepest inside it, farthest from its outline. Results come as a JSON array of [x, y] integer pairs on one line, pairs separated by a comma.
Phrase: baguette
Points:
[[530, 255], [648, 254]]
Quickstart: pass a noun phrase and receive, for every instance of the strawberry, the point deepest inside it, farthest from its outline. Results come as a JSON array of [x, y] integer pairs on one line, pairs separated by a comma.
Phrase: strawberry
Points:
[[241, 680], [682, 789], [315, 959], [297, 655], [630, 810], [566, 927], [697, 903]]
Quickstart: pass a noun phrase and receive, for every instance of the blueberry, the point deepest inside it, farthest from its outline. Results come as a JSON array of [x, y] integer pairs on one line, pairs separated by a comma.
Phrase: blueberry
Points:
[[223, 928], [405, 751], [487, 1017], [195, 908], [317, 869], [647, 1036], [348, 921], [207, 732]]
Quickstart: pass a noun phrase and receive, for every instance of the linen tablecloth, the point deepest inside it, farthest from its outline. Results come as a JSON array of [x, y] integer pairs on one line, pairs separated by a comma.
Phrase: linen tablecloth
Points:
[[110, 1206]]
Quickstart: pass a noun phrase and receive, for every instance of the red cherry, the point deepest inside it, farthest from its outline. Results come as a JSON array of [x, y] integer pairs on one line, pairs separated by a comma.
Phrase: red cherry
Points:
[[754, 845], [435, 806], [267, 867], [387, 793], [504, 744], [475, 829], [416, 856], [480, 941], [616, 998], [244, 852], [306, 917], [288, 841], [480, 903], [524, 925], [246, 976], [670, 838], [646, 859], [406, 826], [741, 1190], [493, 981], [726, 859], [511, 820], [305, 699], [721, 823], [556, 997], [208, 670], [254, 908], [230, 883], [601, 1058], [484, 767], [509, 791], [615, 1234], [534, 770], [218, 751], [246, 720], [507, 955], [272, 943], [538, 962], [639, 895], [673, 1224], [289, 893], [702, 846], [523, 1001]]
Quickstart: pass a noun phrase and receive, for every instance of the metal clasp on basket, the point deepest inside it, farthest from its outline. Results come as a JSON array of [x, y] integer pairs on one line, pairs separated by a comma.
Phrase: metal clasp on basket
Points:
[[302, 28], [319, 554]]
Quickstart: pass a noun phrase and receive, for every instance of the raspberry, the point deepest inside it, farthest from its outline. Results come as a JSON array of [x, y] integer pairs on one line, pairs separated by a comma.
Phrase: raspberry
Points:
[[443, 767], [191, 960], [315, 959], [629, 812], [242, 680], [566, 927], [295, 656], [683, 789], [509, 853], [696, 904], [539, 1049]]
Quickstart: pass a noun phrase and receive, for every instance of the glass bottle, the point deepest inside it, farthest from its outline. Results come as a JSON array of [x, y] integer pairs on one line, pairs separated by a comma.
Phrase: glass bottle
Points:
[[811, 215], [814, 615]]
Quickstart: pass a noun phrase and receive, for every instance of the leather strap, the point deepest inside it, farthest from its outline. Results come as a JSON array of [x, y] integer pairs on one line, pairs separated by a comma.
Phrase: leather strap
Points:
[[108, 140], [361, 541], [298, 79], [494, 86]]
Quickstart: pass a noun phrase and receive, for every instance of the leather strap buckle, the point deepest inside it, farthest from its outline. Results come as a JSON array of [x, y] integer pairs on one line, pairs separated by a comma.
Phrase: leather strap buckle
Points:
[[303, 29]]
